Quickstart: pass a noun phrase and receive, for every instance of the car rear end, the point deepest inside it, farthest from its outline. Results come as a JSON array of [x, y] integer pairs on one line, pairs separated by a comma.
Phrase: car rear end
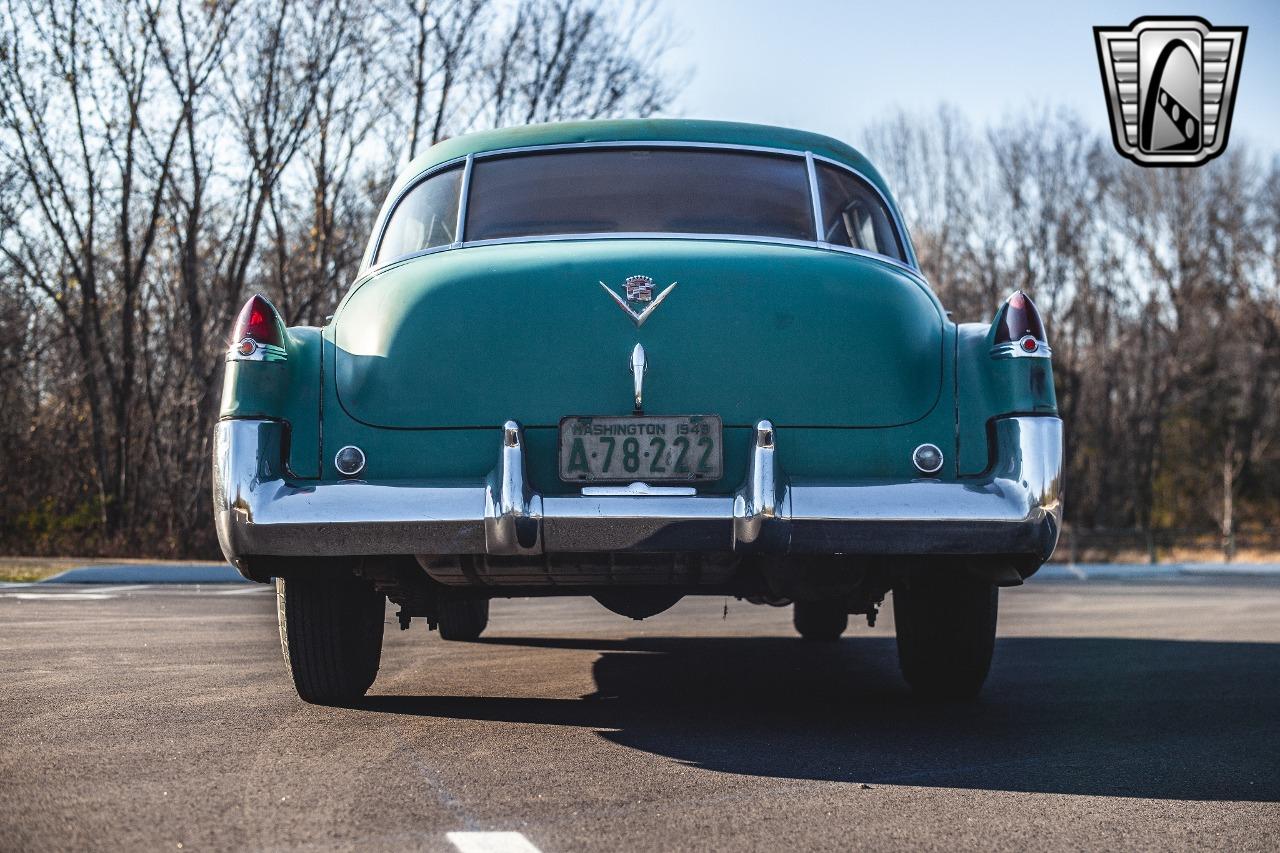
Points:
[[639, 370]]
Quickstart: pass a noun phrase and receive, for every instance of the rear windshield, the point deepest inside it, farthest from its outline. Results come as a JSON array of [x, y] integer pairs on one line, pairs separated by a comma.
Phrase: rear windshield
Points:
[[632, 191]]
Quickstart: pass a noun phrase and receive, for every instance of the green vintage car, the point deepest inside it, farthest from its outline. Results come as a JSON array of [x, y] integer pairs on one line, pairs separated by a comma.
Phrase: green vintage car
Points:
[[638, 360]]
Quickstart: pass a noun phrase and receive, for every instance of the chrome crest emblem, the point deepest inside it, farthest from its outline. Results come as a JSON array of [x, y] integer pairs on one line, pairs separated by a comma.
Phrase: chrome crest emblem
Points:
[[1171, 85], [638, 289]]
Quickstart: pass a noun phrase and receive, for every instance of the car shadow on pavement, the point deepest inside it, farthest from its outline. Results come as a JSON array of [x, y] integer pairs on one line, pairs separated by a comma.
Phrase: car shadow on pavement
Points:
[[1113, 717]]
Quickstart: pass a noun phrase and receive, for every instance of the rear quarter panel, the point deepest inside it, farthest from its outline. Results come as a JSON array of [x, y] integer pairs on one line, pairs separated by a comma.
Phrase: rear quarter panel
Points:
[[987, 388], [288, 391]]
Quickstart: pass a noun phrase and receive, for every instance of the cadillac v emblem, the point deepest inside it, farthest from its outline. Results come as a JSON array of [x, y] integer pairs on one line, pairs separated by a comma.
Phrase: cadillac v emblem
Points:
[[1170, 85], [638, 289]]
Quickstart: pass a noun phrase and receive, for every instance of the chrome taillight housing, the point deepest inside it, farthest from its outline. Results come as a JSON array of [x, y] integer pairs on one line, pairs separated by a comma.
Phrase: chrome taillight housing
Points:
[[1018, 331], [258, 333]]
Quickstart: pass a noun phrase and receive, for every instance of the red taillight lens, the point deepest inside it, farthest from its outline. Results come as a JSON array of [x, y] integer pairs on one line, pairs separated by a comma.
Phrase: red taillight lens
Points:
[[258, 334], [258, 320], [1018, 319]]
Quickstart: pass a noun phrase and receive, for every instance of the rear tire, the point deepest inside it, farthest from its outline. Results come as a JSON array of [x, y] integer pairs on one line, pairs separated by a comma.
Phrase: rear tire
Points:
[[463, 619], [819, 621], [331, 636], [946, 627]]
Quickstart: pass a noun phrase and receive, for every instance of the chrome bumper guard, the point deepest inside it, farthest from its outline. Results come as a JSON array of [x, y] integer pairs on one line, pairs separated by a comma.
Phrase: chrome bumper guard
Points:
[[1013, 509]]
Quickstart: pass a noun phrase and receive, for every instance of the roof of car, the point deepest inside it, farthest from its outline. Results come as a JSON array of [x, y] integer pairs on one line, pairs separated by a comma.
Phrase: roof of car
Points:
[[641, 130]]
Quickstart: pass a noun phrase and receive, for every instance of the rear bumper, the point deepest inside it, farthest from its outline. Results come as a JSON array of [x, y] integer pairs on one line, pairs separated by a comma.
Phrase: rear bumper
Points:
[[1012, 510]]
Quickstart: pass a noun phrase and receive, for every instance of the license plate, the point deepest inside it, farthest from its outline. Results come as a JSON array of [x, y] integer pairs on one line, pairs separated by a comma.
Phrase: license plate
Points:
[[649, 449]]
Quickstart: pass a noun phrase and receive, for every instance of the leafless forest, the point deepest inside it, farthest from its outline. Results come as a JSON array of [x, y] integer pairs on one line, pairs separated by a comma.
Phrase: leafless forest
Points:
[[161, 160], [1161, 289]]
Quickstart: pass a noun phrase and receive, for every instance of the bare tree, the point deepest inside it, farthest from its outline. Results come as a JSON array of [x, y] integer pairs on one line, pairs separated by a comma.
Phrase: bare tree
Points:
[[1153, 283], [95, 182], [567, 59], [158, 161]]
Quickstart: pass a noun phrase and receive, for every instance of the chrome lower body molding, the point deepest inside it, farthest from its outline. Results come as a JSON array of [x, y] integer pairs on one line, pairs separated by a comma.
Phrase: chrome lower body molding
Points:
[[1012, 510]]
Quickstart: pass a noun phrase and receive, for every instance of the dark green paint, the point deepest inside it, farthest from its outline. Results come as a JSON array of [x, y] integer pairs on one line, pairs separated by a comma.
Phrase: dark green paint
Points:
[[804, 337], [801, 335], [287, 390], [990, 387], [804, 453]]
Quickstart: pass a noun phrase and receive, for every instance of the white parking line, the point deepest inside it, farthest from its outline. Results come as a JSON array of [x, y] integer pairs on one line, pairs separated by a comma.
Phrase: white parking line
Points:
[[101, 592], [96, 593], [65, 596], [491, 842]]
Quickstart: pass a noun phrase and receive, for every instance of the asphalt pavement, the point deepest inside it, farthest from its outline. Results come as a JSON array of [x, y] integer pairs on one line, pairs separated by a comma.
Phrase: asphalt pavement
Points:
[[1139, 714]]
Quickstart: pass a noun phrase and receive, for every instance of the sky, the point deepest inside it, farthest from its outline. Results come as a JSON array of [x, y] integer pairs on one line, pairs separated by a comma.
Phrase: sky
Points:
[[836, 66]]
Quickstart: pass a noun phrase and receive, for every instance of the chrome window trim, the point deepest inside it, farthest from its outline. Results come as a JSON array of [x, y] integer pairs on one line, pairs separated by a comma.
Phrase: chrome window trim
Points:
[[409, 257], [899, 226], [888, 259], [384, 219], [680, 235], [464, 193], [640, 143], [814, 199], [653, 235], [641, 235], [910, 262]]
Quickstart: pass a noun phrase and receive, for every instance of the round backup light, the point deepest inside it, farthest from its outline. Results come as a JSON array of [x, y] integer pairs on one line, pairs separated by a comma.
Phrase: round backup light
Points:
[[927, 459], [247, 347], [349, 461], [1029, 344]]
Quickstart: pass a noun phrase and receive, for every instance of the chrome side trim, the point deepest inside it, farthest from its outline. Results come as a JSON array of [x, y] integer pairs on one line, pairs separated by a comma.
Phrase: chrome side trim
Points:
[[1013, 510], [660, 235], [851, 250], [400, 260]]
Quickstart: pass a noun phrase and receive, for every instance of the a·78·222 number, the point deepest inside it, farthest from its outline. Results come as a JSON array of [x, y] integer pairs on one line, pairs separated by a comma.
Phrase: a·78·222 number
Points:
[[687, 447]]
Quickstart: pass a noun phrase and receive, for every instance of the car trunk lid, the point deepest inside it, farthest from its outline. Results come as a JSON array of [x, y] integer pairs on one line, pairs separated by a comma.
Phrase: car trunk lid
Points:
[[525, 331]]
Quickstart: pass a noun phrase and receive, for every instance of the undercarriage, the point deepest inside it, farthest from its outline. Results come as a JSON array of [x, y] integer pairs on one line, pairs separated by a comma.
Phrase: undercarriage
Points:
[[640, 585]]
